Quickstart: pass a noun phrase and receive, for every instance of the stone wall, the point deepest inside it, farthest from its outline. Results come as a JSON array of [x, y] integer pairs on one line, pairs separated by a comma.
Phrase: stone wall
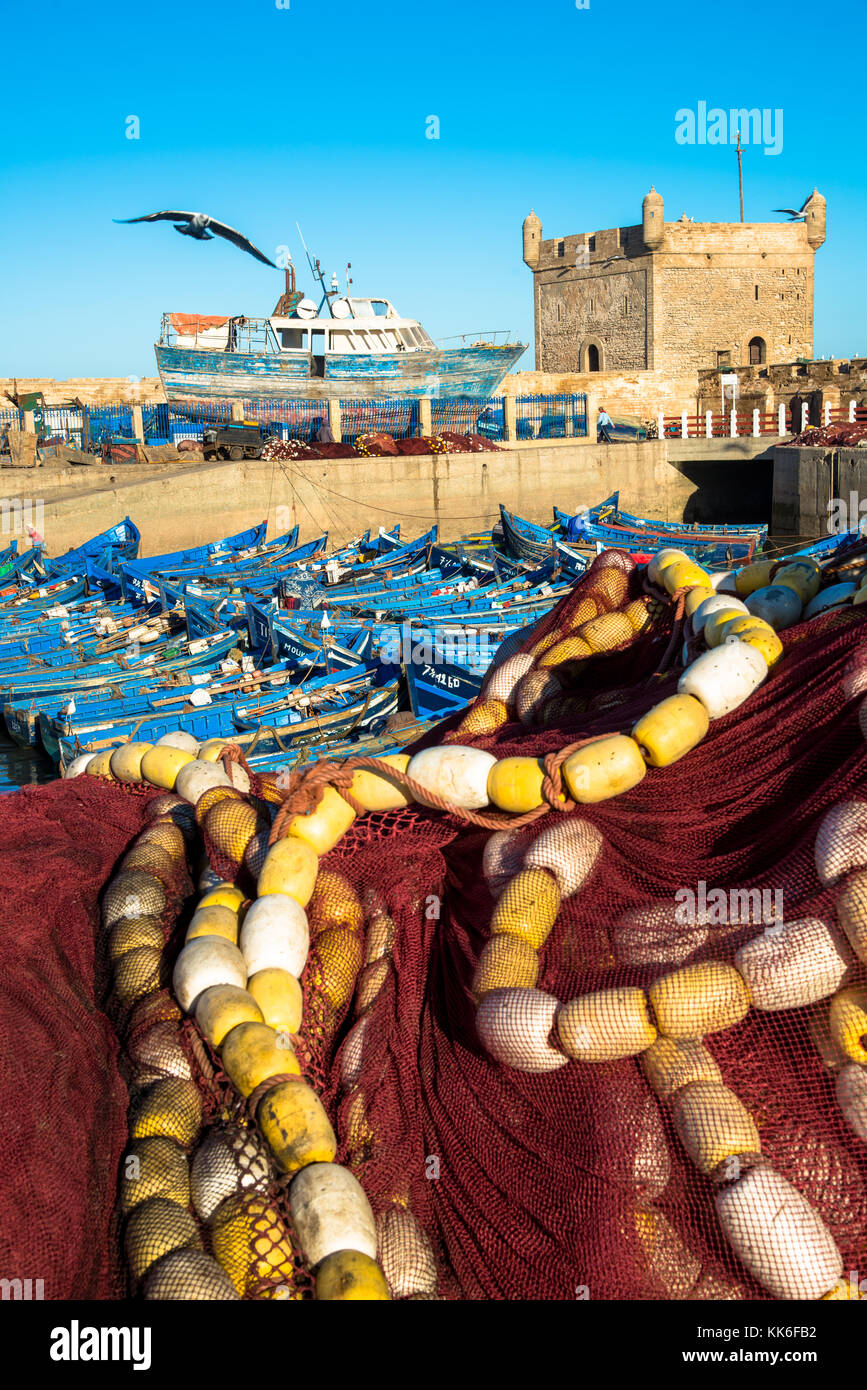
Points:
[[840, 381], [89, 390], [638, 394], [811, 483], [571, 316], [704, 308]]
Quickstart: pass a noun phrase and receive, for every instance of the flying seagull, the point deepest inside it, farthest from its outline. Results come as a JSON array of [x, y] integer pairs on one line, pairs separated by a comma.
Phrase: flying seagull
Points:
[[610, 260], [200, 226], [795, 214]]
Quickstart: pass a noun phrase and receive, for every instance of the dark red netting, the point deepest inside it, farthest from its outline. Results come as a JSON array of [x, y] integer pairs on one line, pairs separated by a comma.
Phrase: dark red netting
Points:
[[62, 1099], [544, 1186], [558, 1185]]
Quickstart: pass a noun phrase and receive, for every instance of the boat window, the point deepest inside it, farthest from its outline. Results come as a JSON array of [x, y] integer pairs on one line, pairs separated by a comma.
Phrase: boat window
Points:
[[341, 341], [370, 308], [294, 339]]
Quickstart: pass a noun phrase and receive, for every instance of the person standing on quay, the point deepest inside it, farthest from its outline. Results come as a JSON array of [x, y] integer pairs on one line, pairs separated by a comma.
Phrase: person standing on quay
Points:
[[604, 426]]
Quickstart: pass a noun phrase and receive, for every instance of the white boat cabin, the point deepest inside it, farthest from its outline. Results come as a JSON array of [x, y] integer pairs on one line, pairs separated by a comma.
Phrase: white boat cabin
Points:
[[355, 325]]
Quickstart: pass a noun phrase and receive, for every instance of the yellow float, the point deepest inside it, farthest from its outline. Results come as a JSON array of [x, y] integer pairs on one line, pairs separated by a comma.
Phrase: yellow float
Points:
[[252, 1053], [528, 907], [606, 767], [671, 729], [295, 1126]]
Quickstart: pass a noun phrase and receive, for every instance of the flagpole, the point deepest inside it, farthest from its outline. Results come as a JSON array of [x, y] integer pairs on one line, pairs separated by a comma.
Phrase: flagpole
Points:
[[740, 173]]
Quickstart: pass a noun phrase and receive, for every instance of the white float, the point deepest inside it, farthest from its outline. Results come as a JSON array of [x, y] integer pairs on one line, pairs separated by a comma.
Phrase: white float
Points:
[[724, 677], [203, 962], [793, 964], [841, 841], [569, 848], [777, 604], [275, 935], [513, 1026], [455, 772], [330, 1212], [780, 1238]]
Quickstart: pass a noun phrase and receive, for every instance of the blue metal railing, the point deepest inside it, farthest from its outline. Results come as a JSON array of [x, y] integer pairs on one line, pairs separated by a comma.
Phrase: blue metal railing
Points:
[[289, 419], [456, 414], [90, 427], [551, 417], [397, 416]]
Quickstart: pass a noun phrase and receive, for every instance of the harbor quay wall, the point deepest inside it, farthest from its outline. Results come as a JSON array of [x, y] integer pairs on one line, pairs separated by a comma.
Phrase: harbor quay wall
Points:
[[182, 504], [817, 490]]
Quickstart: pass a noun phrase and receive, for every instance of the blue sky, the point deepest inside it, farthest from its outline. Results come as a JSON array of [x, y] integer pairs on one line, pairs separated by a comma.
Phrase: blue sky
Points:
[[317, 112]]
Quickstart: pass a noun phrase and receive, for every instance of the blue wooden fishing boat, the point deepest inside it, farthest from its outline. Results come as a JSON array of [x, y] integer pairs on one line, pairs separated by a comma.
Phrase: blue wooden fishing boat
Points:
[[25, 569], [438, 688], [611, 514], [721, 552], [122, 541], [359, 699], [35, 600], [134, 573]]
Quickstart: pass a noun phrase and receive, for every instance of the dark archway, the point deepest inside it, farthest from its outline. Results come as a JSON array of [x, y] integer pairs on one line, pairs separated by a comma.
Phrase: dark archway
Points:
[[757, 351], [593, 358]]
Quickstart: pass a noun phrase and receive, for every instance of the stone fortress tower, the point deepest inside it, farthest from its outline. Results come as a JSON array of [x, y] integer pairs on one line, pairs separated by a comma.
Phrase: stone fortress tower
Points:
[[674, 296]]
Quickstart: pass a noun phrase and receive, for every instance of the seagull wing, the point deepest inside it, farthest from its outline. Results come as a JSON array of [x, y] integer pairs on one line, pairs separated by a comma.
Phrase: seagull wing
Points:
[[159, 217], [230, 234], [791, 212]]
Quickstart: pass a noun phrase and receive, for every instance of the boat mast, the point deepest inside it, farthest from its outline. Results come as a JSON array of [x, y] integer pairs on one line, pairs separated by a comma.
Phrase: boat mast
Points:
[[316, 272]]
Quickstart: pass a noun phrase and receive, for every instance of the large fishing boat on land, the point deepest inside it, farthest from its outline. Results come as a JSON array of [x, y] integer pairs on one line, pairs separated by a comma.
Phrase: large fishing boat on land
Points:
[[344, 348]]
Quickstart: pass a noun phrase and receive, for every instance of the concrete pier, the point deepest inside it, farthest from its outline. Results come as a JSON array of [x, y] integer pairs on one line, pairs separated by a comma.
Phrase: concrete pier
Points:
[[186, 503]]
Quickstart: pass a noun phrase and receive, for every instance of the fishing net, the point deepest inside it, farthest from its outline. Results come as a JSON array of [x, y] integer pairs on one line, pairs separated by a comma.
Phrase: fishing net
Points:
[[496, 1166], [610, 1051], [62, 1098]]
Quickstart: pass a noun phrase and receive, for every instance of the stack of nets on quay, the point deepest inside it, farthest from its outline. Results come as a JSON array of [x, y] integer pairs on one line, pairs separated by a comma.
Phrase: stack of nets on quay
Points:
[[380, 446], [566, 1001], [839, 434]]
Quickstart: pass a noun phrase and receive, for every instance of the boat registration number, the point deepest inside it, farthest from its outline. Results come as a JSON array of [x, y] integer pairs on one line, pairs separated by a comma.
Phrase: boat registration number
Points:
[[440, 678]]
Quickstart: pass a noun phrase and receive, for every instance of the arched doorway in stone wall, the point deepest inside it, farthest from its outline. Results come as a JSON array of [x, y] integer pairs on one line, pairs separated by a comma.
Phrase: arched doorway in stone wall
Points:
[[757, 352], [591, 357]]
